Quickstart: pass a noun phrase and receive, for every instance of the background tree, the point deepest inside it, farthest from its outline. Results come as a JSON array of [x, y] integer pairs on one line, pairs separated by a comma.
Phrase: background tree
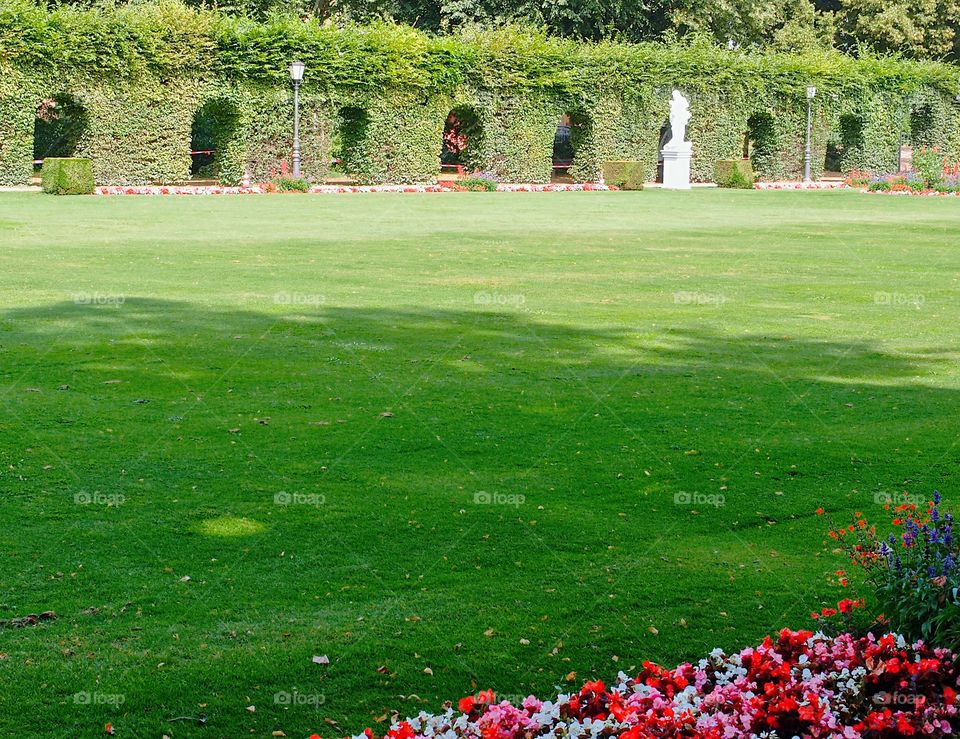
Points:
[[919, 28]]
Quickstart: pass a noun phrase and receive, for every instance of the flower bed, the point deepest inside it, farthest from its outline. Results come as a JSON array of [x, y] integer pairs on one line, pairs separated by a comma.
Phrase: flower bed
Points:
[[336, 189], [798, 684], [914, 193], [800, 186], [932, 175]]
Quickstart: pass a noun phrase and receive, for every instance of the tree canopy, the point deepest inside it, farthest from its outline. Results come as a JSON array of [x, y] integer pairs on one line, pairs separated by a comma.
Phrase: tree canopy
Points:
[[914, 28]]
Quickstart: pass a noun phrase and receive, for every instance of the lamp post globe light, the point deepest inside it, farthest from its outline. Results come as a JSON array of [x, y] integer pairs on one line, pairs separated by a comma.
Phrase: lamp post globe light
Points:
[[808, 154], [296, 76]]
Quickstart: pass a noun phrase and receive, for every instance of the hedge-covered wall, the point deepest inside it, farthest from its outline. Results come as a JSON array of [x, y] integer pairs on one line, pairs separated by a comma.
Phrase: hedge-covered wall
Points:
[[377, 98]]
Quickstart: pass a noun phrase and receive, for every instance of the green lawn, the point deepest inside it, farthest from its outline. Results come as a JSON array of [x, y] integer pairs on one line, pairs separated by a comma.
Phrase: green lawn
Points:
[[387, 364]]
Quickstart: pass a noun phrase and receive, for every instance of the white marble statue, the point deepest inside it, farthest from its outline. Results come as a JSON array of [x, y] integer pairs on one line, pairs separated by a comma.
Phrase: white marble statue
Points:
[[679, 118], [678, 152]]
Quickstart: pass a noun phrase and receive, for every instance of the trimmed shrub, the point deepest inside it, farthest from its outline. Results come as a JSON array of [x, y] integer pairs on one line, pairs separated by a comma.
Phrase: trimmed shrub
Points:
[[67, 176], [625, 175], [292, 184], [478, 183], [735, 173]]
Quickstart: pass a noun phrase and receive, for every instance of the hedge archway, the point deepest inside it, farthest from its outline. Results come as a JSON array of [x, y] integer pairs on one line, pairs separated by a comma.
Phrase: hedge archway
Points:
[[59, 127], [571, 141], [350, 141], [217, 142], [462, 144], [763, 145]]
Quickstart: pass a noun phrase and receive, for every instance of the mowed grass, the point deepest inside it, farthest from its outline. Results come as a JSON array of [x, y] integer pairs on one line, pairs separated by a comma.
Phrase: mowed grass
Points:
[[487, 414]]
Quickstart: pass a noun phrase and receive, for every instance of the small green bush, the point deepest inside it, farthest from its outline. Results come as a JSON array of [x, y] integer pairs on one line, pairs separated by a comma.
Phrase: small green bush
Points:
[[67, 176], [292, 184], [928, 164], [735, 173], [478, 183], [626, 175]]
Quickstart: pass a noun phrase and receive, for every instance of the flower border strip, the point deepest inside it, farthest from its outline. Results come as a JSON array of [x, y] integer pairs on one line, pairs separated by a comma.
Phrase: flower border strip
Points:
[[335, 189]]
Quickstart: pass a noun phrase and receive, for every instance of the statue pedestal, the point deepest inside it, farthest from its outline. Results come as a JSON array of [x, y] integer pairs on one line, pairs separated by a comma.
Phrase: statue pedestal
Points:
[[676, 166]]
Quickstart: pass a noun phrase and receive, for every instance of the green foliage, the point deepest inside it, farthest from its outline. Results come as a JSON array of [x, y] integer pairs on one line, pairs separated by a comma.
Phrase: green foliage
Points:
[[625, 175], [912, 570], [735, 173], [67, 176], [478, 183], [922, 28], [928, 164], [145, 85], [790, 24], [292, 184]]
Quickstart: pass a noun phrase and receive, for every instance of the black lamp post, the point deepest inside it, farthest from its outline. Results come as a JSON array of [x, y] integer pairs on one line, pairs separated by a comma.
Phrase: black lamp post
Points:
[[296, 76]]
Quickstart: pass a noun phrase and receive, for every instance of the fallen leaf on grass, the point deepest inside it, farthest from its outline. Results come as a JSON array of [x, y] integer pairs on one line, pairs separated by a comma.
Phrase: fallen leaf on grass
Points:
[[252, 709], [571, 676], [321, 660], [30, 620]]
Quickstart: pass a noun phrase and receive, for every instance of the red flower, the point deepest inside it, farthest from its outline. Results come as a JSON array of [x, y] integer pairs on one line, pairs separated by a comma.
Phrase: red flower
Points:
[[904, 726], [466, 705], [403, 731], [949, 696]]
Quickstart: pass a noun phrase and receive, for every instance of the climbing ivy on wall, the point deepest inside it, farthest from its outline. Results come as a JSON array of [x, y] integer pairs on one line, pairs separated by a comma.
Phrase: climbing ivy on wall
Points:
[[377, 98]]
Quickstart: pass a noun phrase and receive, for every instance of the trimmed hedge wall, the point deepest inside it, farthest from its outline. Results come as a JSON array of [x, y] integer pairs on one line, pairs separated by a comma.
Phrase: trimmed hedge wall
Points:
[[377, 97]]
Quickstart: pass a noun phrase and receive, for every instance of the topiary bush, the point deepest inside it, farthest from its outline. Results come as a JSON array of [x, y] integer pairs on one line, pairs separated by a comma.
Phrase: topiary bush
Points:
[[625, 175], [67, 176], [735, 173]]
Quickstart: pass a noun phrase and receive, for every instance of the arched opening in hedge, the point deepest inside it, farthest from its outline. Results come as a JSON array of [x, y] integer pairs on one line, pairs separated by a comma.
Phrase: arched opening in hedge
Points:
[[349, 144], [925, 126], [761, 145], [462, 140], [217, 142], [666, 133], [572, 131], [845, 144], [60, 124]]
